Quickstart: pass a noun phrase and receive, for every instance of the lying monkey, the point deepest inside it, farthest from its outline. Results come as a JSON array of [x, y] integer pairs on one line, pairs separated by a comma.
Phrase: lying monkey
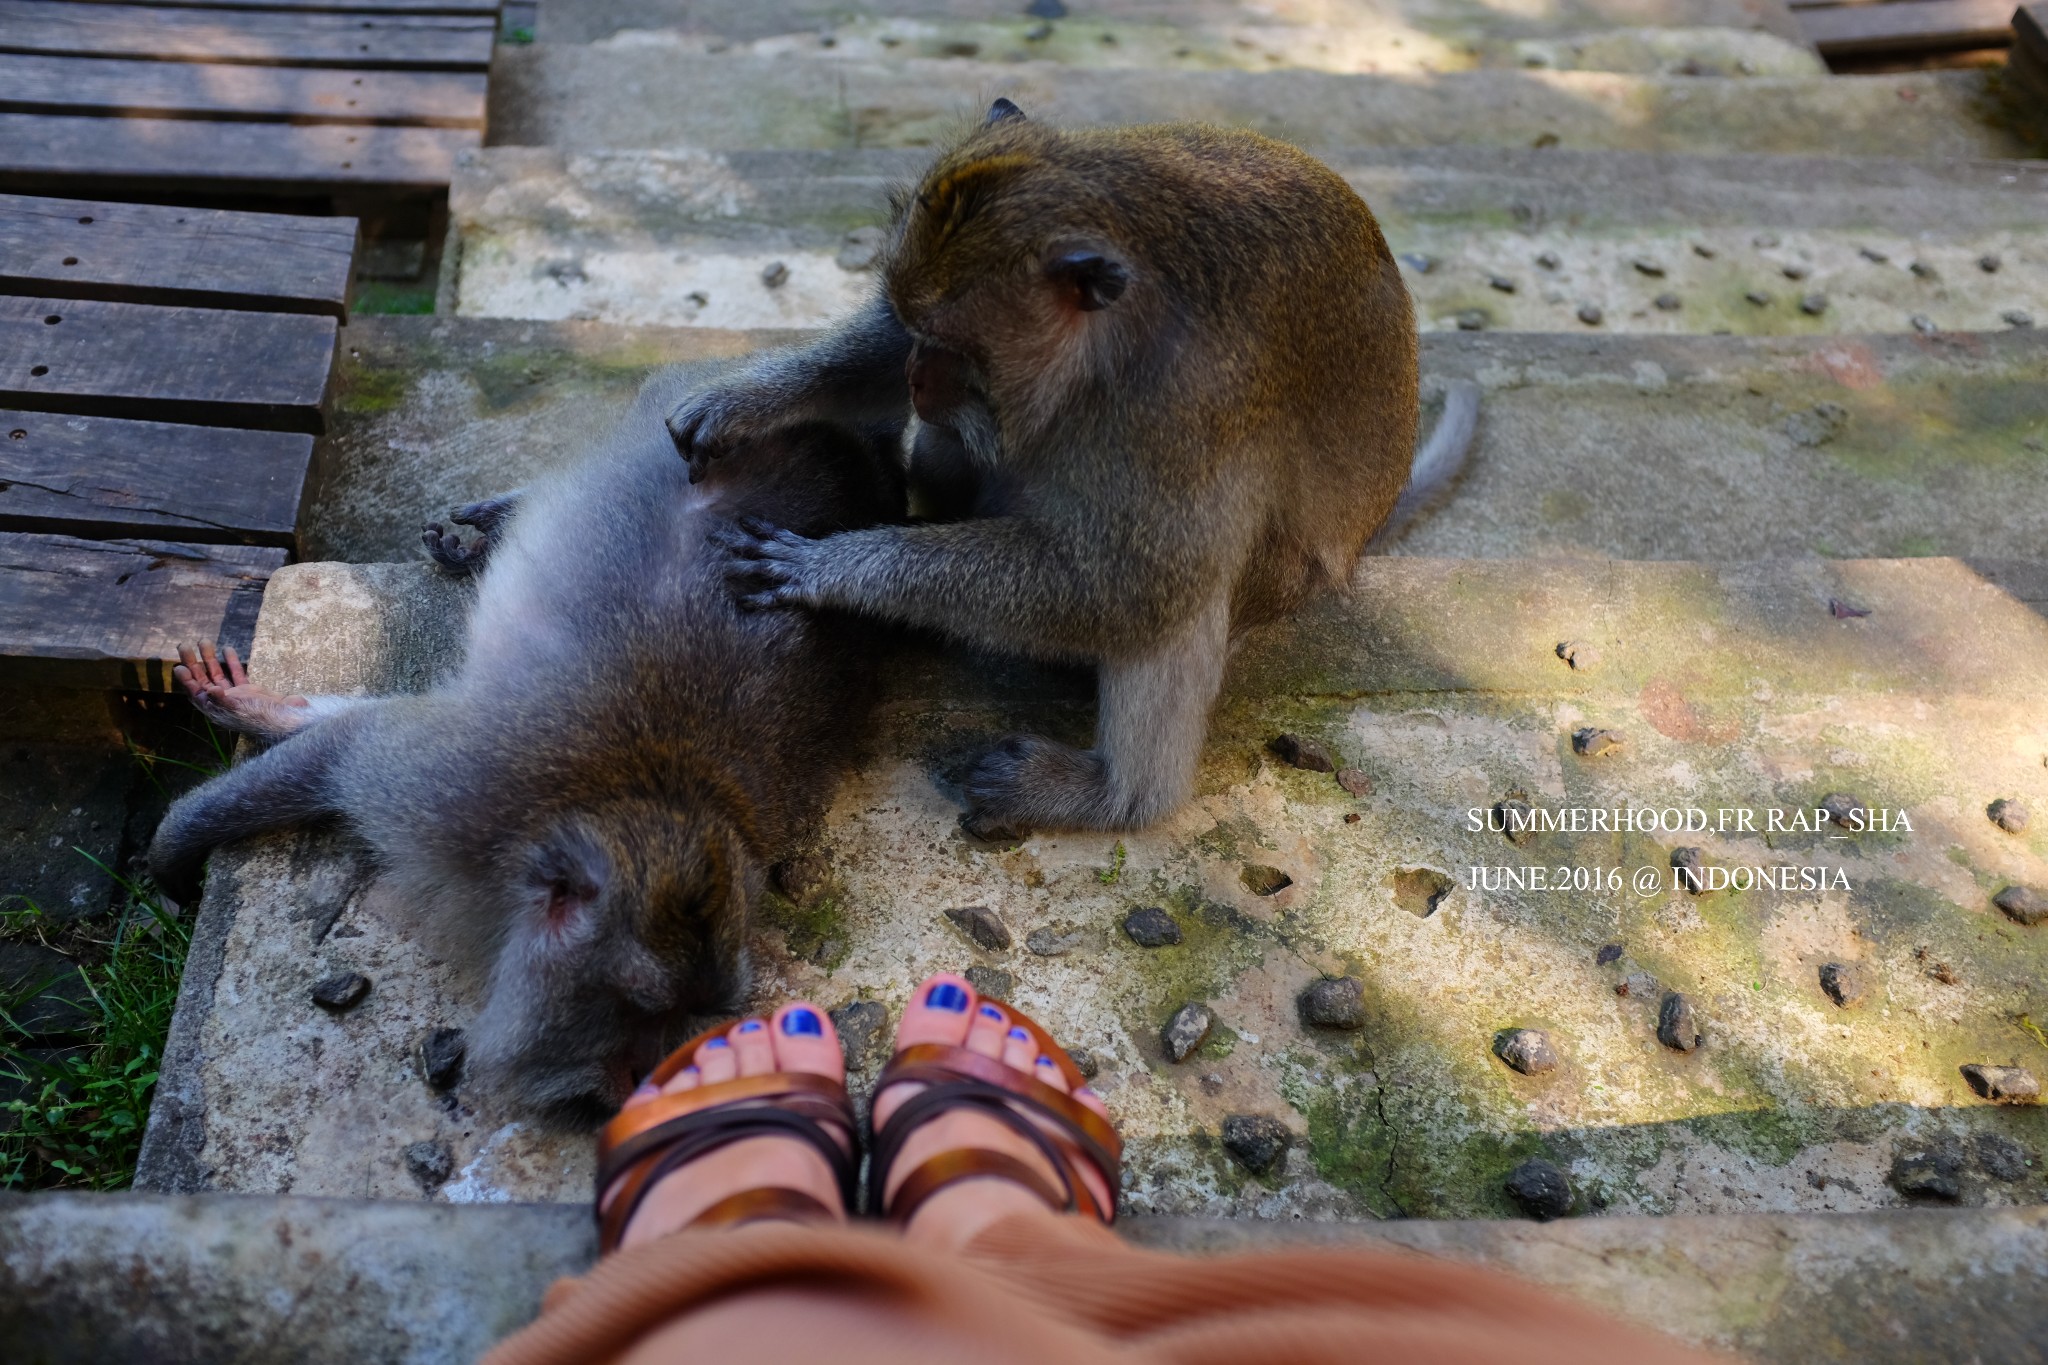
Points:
[[589, 805], [1166, 381]]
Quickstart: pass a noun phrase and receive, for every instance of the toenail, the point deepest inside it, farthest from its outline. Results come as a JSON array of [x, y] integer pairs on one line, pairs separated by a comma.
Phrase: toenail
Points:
[[752, 1026], [1018, 1035], [1089, 1091], [692, 1070], [649, 1088], [946, 996], [1045, 1061], [991, 1012], [803, 1023], [717, 1042]]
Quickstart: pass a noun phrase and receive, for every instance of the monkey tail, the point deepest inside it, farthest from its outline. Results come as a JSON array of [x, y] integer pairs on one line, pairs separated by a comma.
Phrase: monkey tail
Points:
[[1437, 464]]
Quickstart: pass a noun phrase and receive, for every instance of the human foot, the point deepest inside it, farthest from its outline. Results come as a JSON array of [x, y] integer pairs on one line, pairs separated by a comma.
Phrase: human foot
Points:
[[980, 1116], [734, 1127]]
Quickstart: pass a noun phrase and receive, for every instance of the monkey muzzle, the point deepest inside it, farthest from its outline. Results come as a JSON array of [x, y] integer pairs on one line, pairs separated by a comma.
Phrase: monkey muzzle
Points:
[[940, 383]]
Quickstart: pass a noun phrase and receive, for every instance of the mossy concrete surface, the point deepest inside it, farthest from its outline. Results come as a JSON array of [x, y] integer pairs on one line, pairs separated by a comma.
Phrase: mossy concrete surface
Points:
[[1750, 692], [1645, 447], [1505, 239], [230, 1279]]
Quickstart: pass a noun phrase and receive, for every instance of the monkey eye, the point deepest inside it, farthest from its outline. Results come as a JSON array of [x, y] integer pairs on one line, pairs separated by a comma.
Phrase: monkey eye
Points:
[[1097, 280], [562, 903]]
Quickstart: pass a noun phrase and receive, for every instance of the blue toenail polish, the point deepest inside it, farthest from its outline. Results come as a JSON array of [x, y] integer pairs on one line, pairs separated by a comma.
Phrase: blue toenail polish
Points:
[[752, 1026], [716, 1042], [1045, 1061], [991, 1012], [803, 1024], [650, 1088], [946, 996], [692, 1070], [1019, 1036]]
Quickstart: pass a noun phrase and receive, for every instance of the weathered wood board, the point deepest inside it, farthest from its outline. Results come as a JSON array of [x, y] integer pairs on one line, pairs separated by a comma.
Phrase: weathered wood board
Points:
[[387, 40], [35, 83], [175, 152], [1908, 26]]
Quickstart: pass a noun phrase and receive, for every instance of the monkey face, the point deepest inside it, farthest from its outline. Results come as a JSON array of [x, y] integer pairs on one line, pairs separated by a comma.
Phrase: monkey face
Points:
[[625, 924]]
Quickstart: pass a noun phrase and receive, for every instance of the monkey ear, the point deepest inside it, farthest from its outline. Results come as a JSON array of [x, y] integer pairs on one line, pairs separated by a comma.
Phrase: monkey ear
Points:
[[1002, 111], [1097, 280]]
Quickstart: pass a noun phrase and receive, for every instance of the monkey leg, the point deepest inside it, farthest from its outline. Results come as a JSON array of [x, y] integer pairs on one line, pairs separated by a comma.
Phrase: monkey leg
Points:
[[1151, 716], [447, 549]]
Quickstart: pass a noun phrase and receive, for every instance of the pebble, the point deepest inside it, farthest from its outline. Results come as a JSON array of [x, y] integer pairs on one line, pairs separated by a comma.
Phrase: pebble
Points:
[[1677, 1028], [1149, 926], [1592, 743], [1813, 305], [1669, 303], [1297, 752], [2016, 317], [1924, 270], [1514, 815], [1923, 324], [1795, 270], [699, 297], [1186, 1030], [1686, 863], [441, 1054], [1999, 1157], [1638, 986], [1336, 1002], [1590, 315], [1845, 810], [1354, 781], [2022, 905], [1257, 1140], [1053, 941], [1609, 952], [1931, 1174], [1646, 266], [1472, 320], [990, 982], [1703, 251], [431, 1163], [1846, 611], [775, 274], [1046, 9], [982, 925], [1549, 260], [1759, 298], [1846, 983], [2008, 814], [1527, 1050], [862, 248], [1871, 253], [863, 1029], [1085, 1062], [1817, 425], [1261, 880], [1541, 1189], [1579, 655], [1502, 283], [1418, 262], [340, 993], [1989, 263], [2003, 1084]]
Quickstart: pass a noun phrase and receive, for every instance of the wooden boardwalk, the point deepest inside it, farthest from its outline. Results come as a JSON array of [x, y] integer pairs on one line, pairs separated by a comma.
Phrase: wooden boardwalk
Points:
[[1904, 28]]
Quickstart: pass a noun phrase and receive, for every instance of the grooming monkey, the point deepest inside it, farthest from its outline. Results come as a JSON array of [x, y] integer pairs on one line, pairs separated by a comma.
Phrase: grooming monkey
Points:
[[1166, 387], [589, 806]]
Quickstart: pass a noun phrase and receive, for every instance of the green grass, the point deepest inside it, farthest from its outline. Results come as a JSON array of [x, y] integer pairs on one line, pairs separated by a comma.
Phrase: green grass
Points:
[[77, 1115]]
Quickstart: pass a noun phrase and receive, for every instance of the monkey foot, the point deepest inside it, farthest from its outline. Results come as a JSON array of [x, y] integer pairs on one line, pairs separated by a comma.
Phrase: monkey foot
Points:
[[445, 547], [226, 697], [1026, 783], [796, 1038]]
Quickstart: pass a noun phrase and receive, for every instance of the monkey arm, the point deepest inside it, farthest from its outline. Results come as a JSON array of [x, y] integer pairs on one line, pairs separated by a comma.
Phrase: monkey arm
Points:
[[853, 374]]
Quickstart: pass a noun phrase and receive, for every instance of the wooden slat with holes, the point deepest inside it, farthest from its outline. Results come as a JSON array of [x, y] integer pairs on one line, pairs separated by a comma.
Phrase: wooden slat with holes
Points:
[[483, 7], [150, 253], [41, 84], [53, 152], [198, 365], [1908, 26], [371, 41], [101, 477], [111, 613]]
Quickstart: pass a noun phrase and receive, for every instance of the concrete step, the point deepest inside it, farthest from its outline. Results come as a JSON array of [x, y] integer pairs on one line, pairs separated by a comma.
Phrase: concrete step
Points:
[[1651, 447], [423, 1285], [651, 93], [1748, 691], [684, 237]]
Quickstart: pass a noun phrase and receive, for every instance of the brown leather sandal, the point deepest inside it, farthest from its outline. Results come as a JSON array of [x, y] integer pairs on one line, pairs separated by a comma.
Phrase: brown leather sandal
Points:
[[953, 1077], [642, 1144]]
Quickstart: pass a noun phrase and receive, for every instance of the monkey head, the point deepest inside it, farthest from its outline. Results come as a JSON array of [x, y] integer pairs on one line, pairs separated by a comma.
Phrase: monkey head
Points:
[[624, 923], [1010, 268]]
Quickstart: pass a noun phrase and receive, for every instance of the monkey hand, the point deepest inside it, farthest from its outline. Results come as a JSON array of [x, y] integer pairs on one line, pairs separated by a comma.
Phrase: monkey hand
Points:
[[711, 424], [768, 567]]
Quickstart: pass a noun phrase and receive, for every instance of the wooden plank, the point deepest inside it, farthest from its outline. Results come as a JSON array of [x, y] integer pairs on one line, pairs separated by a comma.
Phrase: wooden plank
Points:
[[203, 365], [36, 84], [149, 253], [99, 477], [53, 150], [1908, 26], [111, 613], [2030, 29], [440, 41], [484, 7]]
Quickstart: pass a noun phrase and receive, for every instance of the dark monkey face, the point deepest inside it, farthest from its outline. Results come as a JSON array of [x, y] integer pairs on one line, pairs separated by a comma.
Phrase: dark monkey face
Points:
[[625, 923]]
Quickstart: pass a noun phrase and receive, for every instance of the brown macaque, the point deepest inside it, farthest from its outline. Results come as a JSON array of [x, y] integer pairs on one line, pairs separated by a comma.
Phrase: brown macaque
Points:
[[587, 811], [1165, 383]]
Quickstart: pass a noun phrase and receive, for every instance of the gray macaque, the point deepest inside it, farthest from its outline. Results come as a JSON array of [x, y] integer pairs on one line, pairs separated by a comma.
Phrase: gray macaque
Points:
[[590, 806], [1167, 389]]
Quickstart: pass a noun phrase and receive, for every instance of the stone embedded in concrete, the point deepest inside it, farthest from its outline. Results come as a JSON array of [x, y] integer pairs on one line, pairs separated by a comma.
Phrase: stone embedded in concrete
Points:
[[1333, 1003], [1149, 926], [1298, 752], [2003, 1084], [863, 1029], [1591, 742], [1263, 879], [1527, 1050], [430, 1163], [1677, 1023], [992, 983], [983, 925], [442, 1052], [2008, 814], [1543, 1191], [1257, 1140], [2022, 904], [341, 992], [1846, 983], [1355, 781], [1186, 1031], [1843, 809], [1686, 865], [1054, 940], [1930, 1173]]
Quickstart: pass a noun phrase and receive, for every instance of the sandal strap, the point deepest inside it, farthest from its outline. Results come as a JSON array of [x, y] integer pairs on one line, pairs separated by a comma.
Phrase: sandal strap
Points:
[[769, 1203], [969, 1163]]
